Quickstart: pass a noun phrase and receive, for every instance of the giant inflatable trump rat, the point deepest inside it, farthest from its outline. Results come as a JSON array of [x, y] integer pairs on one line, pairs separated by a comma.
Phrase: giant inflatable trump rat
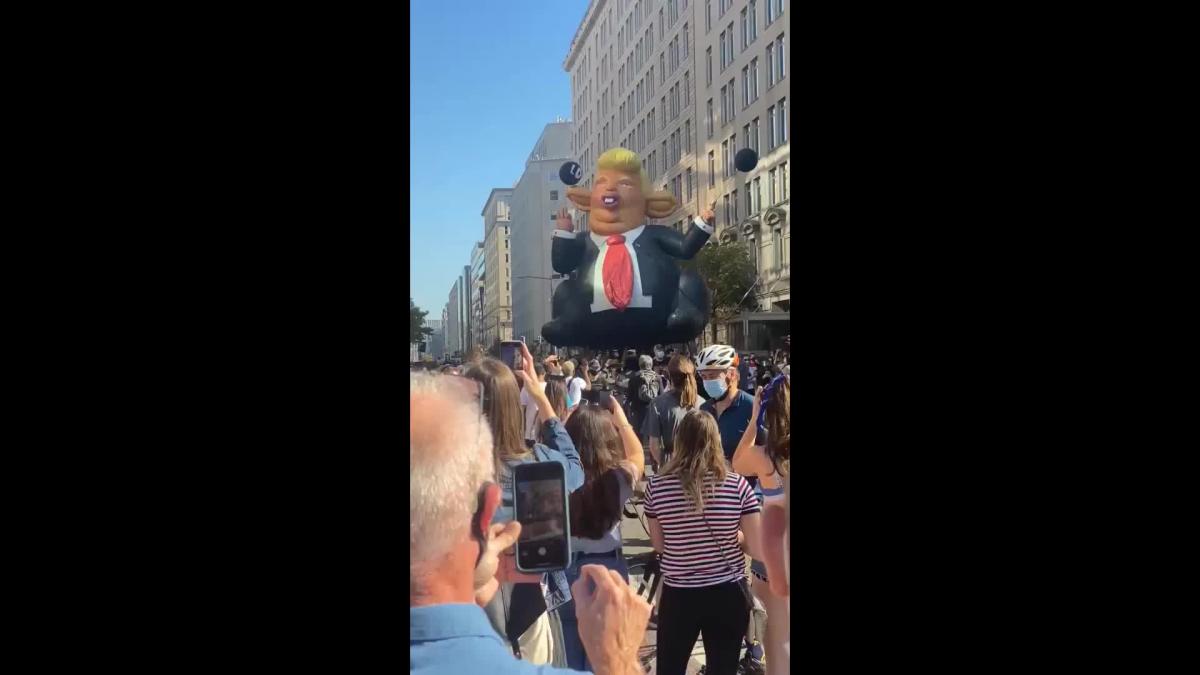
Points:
[[629, 289]]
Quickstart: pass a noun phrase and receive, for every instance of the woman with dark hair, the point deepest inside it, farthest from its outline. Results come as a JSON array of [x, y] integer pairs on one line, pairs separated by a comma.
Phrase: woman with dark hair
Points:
[[670, 407], [695, 509], [518, 610], [556, 392], [612, 464], [771, 463]]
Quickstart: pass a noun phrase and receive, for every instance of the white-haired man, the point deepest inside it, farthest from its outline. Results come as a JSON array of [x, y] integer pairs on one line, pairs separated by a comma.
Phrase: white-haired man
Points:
[[454, 551]]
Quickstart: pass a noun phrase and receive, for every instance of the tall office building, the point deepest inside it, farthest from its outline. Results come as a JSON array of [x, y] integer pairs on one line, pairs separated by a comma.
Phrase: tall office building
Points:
[[455, 328], [475, 297], [687, 84], [536, 200], [497, 296]]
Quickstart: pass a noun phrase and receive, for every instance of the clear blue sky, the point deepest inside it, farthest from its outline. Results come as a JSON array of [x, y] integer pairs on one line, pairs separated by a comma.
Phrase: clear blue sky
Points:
[[486, 78]]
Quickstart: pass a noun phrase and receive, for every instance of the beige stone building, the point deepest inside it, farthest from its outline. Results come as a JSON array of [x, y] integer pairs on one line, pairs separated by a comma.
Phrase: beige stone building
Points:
[[497, 266], [686, 84]]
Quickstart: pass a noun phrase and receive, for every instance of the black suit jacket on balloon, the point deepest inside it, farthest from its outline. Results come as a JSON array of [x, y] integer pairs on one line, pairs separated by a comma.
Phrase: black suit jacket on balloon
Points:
[[657, 249]]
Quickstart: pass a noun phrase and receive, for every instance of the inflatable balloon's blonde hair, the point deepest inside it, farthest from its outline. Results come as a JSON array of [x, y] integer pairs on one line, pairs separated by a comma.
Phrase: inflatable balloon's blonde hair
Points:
[[622, 159]]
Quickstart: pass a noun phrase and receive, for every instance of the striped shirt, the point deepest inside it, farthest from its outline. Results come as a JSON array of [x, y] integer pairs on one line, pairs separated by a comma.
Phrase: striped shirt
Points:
[[691, 556]]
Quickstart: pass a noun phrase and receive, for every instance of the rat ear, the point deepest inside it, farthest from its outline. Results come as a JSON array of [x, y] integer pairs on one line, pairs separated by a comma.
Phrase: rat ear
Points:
[[660, 204], [580, 197]]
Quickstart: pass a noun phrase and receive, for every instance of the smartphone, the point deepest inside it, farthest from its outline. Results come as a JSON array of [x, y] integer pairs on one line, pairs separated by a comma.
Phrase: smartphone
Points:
[[510, 354], [597, 397], [540, 505]]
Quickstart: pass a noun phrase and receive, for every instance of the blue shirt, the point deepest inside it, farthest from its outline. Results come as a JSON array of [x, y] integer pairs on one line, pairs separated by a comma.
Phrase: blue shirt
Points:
[[557, 446], [458, 638], [732, 424]]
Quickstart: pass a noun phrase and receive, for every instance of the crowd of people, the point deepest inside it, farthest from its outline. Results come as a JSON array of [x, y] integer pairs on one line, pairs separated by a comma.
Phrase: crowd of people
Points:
[[706, 439]]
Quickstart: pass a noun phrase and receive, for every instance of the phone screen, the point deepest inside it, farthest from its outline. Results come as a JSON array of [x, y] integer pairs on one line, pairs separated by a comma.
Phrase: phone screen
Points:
[[510, 354], [597, 396], [541, 508]]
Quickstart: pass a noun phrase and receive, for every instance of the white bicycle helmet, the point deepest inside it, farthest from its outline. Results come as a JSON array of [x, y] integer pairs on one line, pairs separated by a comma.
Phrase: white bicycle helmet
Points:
[[717, 357]]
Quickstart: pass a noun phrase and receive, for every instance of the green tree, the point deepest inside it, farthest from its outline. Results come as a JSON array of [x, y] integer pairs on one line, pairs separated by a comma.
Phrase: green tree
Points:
[[728, 272], [417, 330]]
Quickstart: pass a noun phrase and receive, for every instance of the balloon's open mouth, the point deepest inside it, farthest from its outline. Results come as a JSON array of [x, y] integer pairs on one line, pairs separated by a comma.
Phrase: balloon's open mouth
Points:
[[609, 200]]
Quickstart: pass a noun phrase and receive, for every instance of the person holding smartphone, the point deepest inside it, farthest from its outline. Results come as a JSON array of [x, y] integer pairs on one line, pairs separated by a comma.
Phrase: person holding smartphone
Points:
[[770, 462], [454, 551], [518, 611], [530, 407], [612, 463]]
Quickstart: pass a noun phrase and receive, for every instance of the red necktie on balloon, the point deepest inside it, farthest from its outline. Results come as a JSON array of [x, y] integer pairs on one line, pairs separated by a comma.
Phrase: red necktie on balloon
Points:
[[618, 273]]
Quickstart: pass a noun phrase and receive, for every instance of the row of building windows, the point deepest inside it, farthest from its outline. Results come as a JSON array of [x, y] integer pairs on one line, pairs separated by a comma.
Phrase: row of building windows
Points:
[[774, 9]]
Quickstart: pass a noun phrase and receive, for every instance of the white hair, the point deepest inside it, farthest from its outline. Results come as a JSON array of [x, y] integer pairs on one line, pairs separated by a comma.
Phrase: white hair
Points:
[[450, 457]]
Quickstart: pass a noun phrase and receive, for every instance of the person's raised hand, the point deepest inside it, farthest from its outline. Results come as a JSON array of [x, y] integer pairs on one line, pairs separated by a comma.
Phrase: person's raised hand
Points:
[[709, 214], [564, 222], [501, 536], [615, 407], [757, 404], [527, 363], [612, 620]]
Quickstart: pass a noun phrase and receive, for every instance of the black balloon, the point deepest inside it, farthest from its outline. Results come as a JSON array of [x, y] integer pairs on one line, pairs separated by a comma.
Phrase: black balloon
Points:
[[745, 159], [570, 173]]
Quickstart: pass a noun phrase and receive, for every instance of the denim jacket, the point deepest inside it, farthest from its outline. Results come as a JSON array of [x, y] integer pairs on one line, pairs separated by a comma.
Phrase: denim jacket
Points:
[[556, 446]]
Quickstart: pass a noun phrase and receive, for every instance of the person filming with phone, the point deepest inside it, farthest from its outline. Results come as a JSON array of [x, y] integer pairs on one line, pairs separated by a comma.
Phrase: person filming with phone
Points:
[[519, 609], [612, 462], [456, 547]]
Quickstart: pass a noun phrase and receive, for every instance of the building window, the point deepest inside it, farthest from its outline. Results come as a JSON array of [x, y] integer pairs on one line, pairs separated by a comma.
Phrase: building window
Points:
[[708, 67], [708, 15], [783, 183], [754, 135], [690, 184], [687, 136], [725, 201], [554, 195], [712, 169], [745, 87], [553, 217], [687, 88], [779, 51], [723, 53], [729, 37], [686, 38], [732, 154], [754, 20], [733, 200], [749, 201], [745, 135], [770, 5], [782, 121], [771, 187], [771, 128], [745, 30], [757, 201], [725, 159], [708, 127], [732, 95], [754, 79], [505, 258], [770, 65]]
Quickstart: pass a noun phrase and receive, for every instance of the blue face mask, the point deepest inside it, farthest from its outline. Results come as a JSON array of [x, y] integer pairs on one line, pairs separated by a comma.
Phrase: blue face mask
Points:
[[715, 388]]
